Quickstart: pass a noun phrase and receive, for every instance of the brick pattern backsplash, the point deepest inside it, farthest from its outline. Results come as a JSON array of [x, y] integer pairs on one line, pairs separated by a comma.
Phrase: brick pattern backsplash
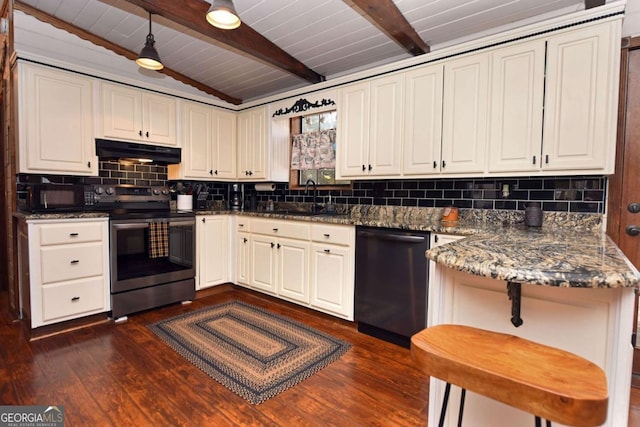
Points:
[[585, 194]]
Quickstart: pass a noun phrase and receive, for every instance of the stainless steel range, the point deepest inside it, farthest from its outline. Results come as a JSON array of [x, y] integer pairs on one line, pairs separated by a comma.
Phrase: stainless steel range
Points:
[[151, 248]]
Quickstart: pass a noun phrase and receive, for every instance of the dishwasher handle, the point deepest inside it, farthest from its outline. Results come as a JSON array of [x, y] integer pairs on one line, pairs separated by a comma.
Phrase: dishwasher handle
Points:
[[393, 237]]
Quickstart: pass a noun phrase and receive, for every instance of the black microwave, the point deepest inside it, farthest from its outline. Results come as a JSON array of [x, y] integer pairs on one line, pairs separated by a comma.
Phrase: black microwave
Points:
[[56, 197]]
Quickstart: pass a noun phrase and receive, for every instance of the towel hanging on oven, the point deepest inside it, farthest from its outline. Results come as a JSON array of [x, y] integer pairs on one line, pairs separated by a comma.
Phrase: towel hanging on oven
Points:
[[158, 239]]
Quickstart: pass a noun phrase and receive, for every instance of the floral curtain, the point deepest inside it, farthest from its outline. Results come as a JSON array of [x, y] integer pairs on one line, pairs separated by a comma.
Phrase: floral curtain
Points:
[[314, 150]]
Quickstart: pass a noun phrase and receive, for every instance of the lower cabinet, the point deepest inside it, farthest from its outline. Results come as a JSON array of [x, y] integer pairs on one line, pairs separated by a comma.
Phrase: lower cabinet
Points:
[[212, 242], [64, 267], [306, 263]]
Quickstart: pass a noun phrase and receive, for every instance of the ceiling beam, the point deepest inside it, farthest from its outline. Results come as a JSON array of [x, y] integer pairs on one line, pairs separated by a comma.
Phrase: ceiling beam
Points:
[[99, 41], [588, 4], [244, 39], [386, 16]]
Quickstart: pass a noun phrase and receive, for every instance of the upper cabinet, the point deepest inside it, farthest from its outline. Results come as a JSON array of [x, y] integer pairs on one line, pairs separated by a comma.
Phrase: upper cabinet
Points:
[[581, 99], [464, 122], [423, 120], [55, 122], [138, 115], [208, 142], [252, 144], [517, 92], [370, 128]]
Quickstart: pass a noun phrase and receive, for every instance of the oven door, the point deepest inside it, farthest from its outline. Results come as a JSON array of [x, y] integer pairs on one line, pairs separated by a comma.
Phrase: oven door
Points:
[[151, 252]]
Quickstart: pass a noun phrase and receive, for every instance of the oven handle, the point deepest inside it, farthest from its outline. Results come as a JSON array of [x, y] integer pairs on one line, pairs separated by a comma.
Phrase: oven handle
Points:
[[146, 224]]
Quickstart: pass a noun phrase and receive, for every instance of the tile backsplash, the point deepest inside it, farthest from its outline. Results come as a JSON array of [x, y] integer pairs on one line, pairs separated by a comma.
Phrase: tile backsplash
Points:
[[586, 194]]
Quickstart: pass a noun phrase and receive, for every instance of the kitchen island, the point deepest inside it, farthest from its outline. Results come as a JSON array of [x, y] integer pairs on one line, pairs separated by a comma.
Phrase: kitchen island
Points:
[[555, 285]]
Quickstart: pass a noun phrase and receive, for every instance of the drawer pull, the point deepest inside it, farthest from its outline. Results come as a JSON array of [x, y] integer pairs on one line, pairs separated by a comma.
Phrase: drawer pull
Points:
[[275, 230], [244, 240], [73, 234], [240, 225], [327, 235], [74, 261], [327, 250], [75, 299]]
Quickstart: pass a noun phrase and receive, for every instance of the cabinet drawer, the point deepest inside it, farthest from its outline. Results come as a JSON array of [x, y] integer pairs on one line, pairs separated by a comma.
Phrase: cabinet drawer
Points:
[[335, 234], [81, 232], [72, 299], [243, 224], [291, 229], [68, 262]]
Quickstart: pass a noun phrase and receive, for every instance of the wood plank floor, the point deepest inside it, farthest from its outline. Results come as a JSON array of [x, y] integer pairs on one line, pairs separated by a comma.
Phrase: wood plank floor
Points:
[[123, 375]]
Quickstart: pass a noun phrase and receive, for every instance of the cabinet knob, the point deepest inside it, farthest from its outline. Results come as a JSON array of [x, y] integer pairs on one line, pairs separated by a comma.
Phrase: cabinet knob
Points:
[[278, 246], [534, 160], [633, 207], [435, 238], [89, 164], [215, 172], [244, 240], [246, 172], [370, 167], [210, 172], [327, 250], [203, 220], [444, 164], [272, 244], [250, 173], [140, 132], [435, 164], [632, 230], [546, 159], [147, 134], [364, 168]]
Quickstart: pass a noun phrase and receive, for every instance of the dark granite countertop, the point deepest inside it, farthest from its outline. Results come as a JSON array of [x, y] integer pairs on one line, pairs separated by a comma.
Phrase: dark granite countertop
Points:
[[61, 215]]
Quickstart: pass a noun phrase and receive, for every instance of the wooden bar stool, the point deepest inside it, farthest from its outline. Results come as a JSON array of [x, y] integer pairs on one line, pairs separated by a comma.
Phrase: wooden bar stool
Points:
[[544, 381]]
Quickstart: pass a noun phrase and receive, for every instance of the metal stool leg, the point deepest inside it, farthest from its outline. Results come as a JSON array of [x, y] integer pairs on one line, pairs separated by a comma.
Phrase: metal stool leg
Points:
[[445, 401], [462, 396]]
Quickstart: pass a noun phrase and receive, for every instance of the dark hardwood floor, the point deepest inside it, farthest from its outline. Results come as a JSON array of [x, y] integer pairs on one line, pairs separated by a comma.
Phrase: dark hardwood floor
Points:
[[122, 375]]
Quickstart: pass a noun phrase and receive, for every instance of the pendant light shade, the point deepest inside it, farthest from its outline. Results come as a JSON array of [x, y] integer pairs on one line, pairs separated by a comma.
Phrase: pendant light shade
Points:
[[149, 57], [223, 15]]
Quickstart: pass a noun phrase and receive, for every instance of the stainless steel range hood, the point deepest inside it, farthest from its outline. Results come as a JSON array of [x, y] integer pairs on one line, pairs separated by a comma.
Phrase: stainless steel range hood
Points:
[[107, 149]]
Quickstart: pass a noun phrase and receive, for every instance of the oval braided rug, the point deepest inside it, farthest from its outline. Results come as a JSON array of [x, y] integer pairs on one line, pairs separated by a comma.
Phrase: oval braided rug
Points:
[[251, 351]]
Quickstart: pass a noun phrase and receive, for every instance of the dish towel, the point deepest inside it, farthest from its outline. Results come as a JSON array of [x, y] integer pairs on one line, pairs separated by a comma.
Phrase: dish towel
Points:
[[158, 239]]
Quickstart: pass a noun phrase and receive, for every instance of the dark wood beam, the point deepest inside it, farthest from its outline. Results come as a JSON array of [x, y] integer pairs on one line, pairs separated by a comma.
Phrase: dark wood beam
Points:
[[588, 4], [386, 16], [85, 35], [244, 39]]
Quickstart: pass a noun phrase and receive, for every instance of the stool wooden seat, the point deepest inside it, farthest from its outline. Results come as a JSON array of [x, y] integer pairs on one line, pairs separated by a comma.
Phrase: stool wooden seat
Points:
[[542, 380]]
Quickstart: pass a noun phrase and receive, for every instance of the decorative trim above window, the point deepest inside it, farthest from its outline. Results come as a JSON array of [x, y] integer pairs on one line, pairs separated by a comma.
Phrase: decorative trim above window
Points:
[[302, 105]]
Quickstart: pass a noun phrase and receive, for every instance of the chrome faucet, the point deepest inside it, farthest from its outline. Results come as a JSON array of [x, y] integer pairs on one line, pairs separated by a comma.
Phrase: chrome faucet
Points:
[[314, 207]]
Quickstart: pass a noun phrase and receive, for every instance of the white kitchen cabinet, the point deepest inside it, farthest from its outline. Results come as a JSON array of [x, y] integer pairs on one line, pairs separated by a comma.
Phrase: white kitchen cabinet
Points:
[[252, 144], [422, 121], [516, 99], [242, 249], [55, 120], [213, 243], [465, 107], [137, 115], [293, 269], [263, 263], [370, 127], [68, 270], [581, 99], [332, 269], [208, 142]]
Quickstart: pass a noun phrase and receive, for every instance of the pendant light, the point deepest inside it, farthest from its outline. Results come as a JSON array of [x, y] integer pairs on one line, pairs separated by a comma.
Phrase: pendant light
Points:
[[223, 15], [149, 57]]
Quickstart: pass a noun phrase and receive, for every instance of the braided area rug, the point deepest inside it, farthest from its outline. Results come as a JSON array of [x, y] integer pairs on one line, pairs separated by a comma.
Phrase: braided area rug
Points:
[[251, 351]]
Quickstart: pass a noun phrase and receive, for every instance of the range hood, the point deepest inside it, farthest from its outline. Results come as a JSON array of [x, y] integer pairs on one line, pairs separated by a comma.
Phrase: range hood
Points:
[[107, 149]]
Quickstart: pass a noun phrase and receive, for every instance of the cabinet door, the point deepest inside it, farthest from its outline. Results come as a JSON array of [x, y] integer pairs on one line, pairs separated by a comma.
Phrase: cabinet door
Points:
[[159, 119], [465, 114], [252, 144], [353, 128], [56, 123], [517, 91], [213, 250], [293, 269], [581, 94], [121, 112], [386, 121], [263, 266], [224, 144], [422, 120], [332, 282], [243, 258], [197, 155]]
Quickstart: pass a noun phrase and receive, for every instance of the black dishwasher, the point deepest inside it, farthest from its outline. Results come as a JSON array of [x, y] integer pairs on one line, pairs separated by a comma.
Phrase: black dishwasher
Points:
[[391, 283]]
